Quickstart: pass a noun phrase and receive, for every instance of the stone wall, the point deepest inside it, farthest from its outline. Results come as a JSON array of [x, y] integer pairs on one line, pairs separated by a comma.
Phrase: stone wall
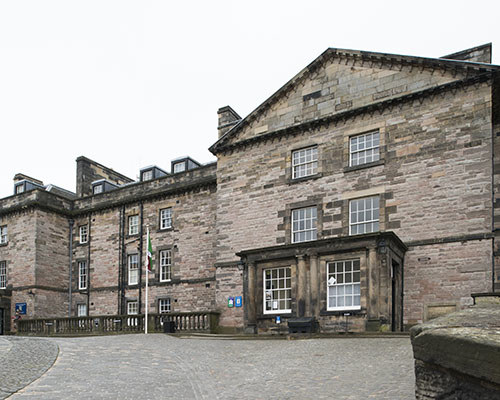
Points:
[[434, 183], [458, 356]]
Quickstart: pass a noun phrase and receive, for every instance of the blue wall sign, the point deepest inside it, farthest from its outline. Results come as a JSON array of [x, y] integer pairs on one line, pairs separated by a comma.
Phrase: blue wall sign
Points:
[[238, 301], [278, 319], [21, 308]]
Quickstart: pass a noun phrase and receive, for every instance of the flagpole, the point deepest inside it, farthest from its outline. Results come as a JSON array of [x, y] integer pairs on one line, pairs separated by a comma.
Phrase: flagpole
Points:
[[147, 282]]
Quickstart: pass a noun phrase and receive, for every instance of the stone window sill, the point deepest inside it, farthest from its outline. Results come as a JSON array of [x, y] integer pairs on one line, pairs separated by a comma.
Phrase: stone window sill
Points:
[[363, 166], [291, 181], [165, 229], [341, 313]]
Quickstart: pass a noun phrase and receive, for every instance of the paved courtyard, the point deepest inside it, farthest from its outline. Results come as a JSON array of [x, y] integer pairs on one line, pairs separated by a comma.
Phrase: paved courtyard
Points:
[[158, 366]]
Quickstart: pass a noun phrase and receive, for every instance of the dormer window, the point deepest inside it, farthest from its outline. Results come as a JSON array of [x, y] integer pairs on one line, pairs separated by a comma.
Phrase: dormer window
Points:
[[20, 189], [147, 175], [179, 167], [184, 164], [151, 172], [97, 189]]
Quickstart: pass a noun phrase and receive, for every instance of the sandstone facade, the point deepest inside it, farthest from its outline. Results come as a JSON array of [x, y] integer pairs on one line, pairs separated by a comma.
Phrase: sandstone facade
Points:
[[433, 186]]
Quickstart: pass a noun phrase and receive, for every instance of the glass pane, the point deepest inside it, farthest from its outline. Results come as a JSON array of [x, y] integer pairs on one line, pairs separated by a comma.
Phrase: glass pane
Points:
[[348, 278], [287, 273], [355, 277], [340, 278], [340, 301], [356, 301], [340, 290], [333, 302], [356, 289], [348, 301]]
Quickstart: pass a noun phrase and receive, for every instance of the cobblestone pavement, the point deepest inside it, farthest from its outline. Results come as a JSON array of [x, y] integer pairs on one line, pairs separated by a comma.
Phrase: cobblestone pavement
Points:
[[22, 360], [158, 366]]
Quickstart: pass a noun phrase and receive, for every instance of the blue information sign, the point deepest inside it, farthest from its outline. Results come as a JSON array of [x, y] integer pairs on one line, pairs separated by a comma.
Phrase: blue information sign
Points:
[[238, 301], [21, 308]]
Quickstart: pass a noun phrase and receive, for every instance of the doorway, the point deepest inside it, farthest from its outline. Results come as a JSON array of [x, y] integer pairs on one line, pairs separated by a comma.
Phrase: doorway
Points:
[[396, 303]]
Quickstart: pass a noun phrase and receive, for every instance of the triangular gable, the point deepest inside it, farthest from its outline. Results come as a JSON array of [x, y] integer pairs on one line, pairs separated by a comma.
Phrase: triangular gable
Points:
[[340, 80]]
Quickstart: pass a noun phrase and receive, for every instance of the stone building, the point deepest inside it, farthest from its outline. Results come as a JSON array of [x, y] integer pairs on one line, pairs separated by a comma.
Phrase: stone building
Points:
[[367, 185]]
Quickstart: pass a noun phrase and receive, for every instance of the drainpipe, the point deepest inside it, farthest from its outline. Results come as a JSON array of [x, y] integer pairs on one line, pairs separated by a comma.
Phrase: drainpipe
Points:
[[492, 206], [88, 262], [71, 222], [140, 256]]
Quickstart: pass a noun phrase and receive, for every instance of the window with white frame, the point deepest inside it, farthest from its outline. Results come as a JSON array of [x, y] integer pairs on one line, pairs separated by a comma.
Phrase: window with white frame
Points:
[[82, 275], [179, 167], [364, 148], [84, 236], [133, 269], [304, 224], [20, 188], [97, 189], [364, 215], [165, 265], [132, 309], [304, 162], [166, 218], [277, 290], [133, 225], [147, 175], [343, 285], [3, 274], [3, 234], [81, 310], [164, 305]]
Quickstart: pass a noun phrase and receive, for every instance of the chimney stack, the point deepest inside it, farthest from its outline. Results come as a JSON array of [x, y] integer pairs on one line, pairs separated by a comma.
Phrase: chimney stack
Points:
[[227, 119]]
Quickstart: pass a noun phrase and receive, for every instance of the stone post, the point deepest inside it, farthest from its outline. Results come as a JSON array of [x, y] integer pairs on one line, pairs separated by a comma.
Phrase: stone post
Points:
[[301, 285], [314, 290]]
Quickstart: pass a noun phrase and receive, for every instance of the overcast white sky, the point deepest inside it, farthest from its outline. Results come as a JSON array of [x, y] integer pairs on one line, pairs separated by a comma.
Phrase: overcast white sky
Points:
[[135, 83]]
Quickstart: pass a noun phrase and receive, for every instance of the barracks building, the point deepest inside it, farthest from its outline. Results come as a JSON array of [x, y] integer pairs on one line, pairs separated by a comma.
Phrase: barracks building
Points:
[[368, 184]]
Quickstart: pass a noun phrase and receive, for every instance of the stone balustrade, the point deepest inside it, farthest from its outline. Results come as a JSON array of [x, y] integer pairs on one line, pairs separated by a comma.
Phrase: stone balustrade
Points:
[[108, 324]]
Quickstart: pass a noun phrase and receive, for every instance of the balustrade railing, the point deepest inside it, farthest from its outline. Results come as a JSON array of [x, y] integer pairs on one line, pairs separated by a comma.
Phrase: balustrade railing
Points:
[[104, 324]]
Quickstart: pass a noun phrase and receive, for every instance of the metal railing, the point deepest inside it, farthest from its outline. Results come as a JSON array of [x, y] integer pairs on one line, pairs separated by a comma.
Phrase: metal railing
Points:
[[107, 324]]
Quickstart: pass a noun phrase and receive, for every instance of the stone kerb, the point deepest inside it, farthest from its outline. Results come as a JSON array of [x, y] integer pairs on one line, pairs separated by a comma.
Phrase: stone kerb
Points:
[[458, 355]]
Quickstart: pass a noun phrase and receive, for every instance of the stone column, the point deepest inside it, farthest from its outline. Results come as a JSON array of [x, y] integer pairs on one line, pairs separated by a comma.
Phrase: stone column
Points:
[[314, 281], [373, 292], [251, 300], [301, 286]]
